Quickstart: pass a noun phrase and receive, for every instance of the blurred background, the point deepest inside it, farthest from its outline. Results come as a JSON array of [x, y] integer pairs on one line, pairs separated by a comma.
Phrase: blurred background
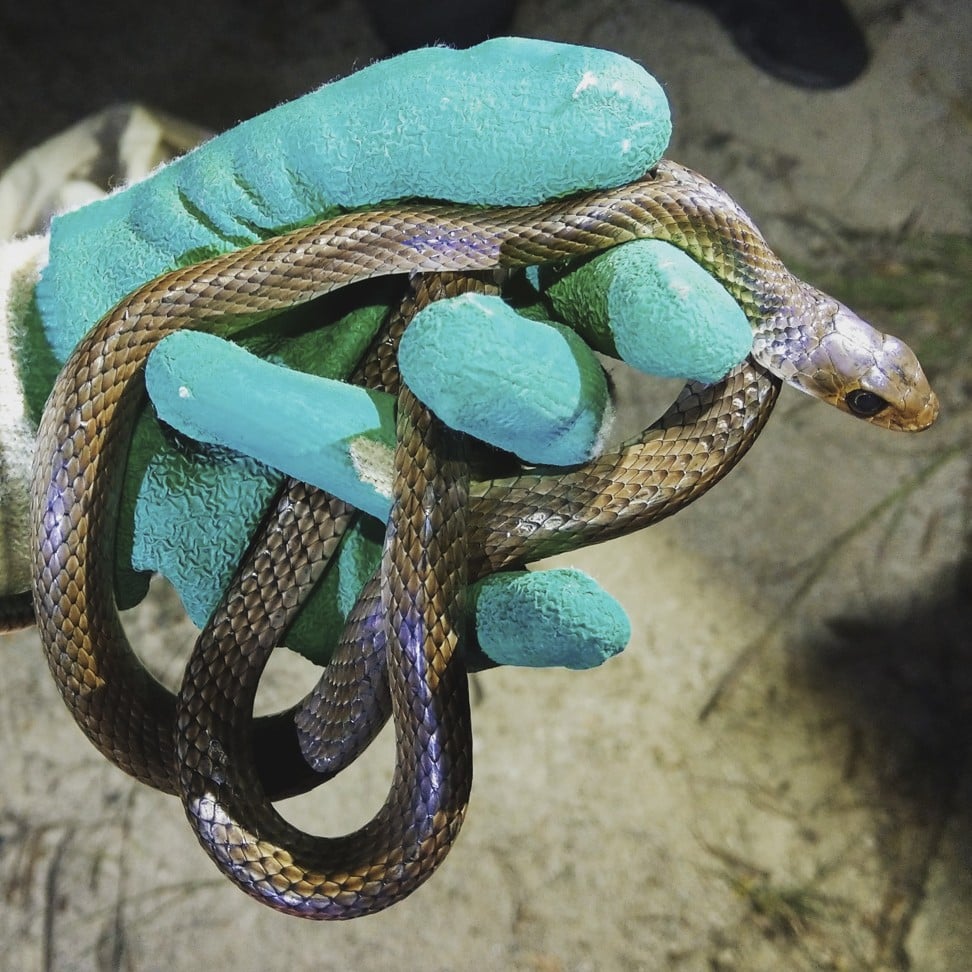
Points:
[[774, 774]]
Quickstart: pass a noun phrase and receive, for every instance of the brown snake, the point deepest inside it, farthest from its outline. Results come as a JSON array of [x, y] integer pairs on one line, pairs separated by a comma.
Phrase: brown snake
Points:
[[205, 746]]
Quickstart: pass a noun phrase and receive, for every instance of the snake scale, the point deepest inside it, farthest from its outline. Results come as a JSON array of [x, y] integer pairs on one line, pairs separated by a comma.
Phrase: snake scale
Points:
[[398, 652]]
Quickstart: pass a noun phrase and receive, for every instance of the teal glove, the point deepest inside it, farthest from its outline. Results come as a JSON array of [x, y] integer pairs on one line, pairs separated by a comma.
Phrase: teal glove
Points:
[[531, 388]]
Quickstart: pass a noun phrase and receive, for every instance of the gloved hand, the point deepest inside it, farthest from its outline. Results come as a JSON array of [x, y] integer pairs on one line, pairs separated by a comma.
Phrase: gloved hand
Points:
[[487, 125]]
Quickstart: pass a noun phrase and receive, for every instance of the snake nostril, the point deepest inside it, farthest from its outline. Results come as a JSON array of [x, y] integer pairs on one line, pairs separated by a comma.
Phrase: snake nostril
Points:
[[864, 404]]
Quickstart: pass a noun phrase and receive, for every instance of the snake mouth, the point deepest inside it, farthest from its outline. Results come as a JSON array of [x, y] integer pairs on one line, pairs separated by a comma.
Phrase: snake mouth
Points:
[[915, 418], [925, 416]]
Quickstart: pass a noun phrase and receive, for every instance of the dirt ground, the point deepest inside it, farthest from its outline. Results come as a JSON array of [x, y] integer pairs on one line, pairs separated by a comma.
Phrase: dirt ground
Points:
[[775, 774]]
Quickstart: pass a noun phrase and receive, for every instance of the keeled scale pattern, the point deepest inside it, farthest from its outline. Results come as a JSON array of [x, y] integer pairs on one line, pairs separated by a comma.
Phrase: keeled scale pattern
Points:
[[412, 607], [84, 433]]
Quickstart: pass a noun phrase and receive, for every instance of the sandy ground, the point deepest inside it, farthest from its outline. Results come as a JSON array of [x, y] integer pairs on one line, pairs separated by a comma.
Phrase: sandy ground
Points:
[[774, 775]]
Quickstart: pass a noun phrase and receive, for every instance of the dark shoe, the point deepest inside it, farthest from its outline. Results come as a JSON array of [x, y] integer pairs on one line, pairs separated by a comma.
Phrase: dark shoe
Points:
[[811, 43]]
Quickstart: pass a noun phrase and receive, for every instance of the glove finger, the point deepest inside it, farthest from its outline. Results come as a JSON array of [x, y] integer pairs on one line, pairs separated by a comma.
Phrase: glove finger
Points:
[[654, 307], [542, 619], [557, 618]]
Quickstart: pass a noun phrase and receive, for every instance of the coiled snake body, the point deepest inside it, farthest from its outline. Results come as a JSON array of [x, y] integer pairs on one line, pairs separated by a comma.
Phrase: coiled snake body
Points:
[[401, 637]]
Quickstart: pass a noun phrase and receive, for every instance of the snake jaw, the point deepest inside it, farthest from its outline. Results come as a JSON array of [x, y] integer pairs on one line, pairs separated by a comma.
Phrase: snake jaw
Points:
[[918, 413]]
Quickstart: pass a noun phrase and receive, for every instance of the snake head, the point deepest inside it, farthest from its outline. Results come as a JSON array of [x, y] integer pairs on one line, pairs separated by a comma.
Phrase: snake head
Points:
[[868, 374]]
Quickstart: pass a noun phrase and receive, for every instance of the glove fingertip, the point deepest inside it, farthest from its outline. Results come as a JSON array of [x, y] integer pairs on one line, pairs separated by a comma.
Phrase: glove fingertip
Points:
[[553, 618], [657, 309], [524, 386]]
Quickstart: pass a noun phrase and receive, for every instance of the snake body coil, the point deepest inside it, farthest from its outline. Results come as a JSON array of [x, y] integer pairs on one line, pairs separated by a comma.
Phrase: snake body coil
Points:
[[800, 335]]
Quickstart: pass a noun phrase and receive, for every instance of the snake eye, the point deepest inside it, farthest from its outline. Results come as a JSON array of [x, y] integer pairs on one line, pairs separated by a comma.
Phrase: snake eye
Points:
[[865, 404]]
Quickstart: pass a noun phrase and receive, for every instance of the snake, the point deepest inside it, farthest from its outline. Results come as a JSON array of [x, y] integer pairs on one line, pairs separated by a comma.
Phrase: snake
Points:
[[397, 654]]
